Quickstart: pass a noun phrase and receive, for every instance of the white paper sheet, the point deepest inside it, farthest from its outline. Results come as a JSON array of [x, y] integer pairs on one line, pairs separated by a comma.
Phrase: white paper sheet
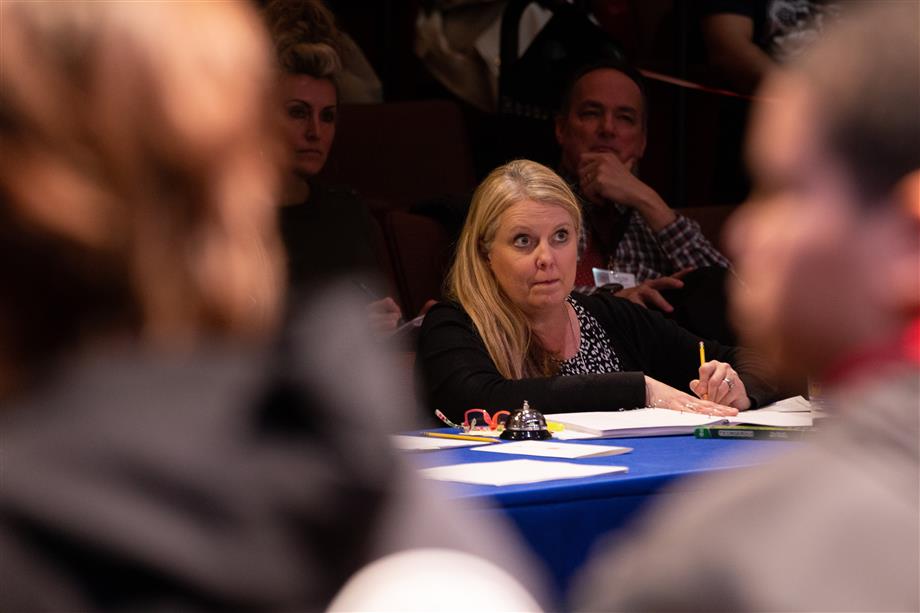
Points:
[[511, 472], [551, 449], [795, 404], [778, 419]]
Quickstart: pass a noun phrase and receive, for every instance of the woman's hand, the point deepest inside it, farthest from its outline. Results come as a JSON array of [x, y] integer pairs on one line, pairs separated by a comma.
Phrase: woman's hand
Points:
[[664, 396], [720, 383], [384, 316]]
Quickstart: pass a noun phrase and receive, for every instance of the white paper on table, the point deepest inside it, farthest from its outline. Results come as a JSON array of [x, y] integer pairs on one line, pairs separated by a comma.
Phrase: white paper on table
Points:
[[550, 449], [511, 472], [795, 404], [429, 443], [776, 419], [638, 422]]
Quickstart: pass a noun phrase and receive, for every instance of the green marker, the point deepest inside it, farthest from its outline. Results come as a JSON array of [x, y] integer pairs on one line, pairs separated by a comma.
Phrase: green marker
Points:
[[763, 433]]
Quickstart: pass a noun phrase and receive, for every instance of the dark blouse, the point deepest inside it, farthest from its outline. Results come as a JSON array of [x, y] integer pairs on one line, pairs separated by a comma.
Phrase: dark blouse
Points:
[[458, 374], [327, 237]]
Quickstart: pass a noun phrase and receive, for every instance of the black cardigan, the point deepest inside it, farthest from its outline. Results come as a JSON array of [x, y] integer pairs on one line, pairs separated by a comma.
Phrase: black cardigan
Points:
[[458, 374]]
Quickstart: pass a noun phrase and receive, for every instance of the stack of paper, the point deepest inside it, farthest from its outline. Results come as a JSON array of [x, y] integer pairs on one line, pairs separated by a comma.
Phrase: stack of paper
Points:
[[665, 422], [641, 422]]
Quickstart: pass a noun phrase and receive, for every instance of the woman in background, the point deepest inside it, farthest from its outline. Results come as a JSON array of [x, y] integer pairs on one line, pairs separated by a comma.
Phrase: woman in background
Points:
[[516, 332], [326, 230]]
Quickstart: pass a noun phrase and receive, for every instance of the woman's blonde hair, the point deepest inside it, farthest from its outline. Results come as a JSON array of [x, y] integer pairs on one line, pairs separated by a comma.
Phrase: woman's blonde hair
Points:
[[138, 178], [503, 327]]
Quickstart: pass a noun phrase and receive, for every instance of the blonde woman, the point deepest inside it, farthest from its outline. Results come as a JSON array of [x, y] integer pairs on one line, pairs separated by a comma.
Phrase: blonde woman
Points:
[[514, 330]]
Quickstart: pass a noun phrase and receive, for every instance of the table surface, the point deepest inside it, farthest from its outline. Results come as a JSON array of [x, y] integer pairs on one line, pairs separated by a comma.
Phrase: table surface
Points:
[[561, 520], [652, 462]]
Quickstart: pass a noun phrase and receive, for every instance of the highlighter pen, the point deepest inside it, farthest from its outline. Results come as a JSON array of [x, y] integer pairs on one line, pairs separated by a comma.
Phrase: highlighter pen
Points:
[[462, 437], [703, 361]]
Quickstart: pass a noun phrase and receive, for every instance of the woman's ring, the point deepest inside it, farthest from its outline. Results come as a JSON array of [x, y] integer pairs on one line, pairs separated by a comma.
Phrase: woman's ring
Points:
[[729, 383]]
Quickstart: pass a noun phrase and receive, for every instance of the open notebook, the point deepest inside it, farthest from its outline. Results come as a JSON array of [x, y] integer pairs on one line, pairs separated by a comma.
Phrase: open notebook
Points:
[[665, 422]]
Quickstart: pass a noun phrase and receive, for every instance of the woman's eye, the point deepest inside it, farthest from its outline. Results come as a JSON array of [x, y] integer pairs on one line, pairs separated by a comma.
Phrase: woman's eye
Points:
[[327, 116], [296, 112], [561, 236], [521, 240]]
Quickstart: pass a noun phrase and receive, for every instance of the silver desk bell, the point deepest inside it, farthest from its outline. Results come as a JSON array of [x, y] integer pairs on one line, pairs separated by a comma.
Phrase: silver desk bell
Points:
[[525, 424]]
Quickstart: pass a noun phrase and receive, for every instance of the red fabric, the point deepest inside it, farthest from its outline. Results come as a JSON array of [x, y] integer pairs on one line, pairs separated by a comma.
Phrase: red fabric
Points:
[[905, 347], [910, 343], [590, 258]]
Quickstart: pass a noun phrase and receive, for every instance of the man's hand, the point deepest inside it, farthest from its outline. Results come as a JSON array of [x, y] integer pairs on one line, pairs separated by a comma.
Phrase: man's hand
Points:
[[648, 293], [603, 178]]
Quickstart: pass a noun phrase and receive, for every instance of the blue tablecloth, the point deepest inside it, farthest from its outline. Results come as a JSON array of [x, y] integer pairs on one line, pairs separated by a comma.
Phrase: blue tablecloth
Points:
[[562, 519]]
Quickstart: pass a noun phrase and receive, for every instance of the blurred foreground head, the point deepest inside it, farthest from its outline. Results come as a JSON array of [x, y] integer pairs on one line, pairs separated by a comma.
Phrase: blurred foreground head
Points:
[[137, 182], [829, 245]]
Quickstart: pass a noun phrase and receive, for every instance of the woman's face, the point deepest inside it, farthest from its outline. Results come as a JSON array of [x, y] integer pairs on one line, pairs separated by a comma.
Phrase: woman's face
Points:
[[534, 254], [310, 107]]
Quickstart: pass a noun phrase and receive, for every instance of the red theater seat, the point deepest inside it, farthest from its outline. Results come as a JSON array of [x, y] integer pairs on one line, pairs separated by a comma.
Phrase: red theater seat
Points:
[[421, 253], [402, 153]]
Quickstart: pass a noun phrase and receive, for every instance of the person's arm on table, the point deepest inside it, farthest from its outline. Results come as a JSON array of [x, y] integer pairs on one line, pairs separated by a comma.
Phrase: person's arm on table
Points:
[[458, 374], [669, 354]]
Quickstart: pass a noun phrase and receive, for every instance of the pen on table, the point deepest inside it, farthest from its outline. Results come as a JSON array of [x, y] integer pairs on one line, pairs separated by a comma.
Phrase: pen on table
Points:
[[462, 437], [703, 361]]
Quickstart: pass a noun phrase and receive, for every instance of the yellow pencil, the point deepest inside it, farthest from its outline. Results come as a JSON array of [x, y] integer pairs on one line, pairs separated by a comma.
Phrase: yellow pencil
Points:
[[703, 361], [462, 437]]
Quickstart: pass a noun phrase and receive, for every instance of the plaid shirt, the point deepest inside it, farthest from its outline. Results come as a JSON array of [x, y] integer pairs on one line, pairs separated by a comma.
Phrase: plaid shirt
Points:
[[646, 253]]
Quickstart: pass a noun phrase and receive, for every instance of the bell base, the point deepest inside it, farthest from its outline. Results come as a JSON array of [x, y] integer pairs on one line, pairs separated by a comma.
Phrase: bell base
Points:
[[525, 435]]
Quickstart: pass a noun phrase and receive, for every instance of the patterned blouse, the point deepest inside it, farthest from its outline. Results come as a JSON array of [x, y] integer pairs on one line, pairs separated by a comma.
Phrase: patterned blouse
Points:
[[595, 353]]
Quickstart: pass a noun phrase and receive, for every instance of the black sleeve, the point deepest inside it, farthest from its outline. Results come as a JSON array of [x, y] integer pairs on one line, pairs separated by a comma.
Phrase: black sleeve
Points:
[[647, 341], [458, 374]]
